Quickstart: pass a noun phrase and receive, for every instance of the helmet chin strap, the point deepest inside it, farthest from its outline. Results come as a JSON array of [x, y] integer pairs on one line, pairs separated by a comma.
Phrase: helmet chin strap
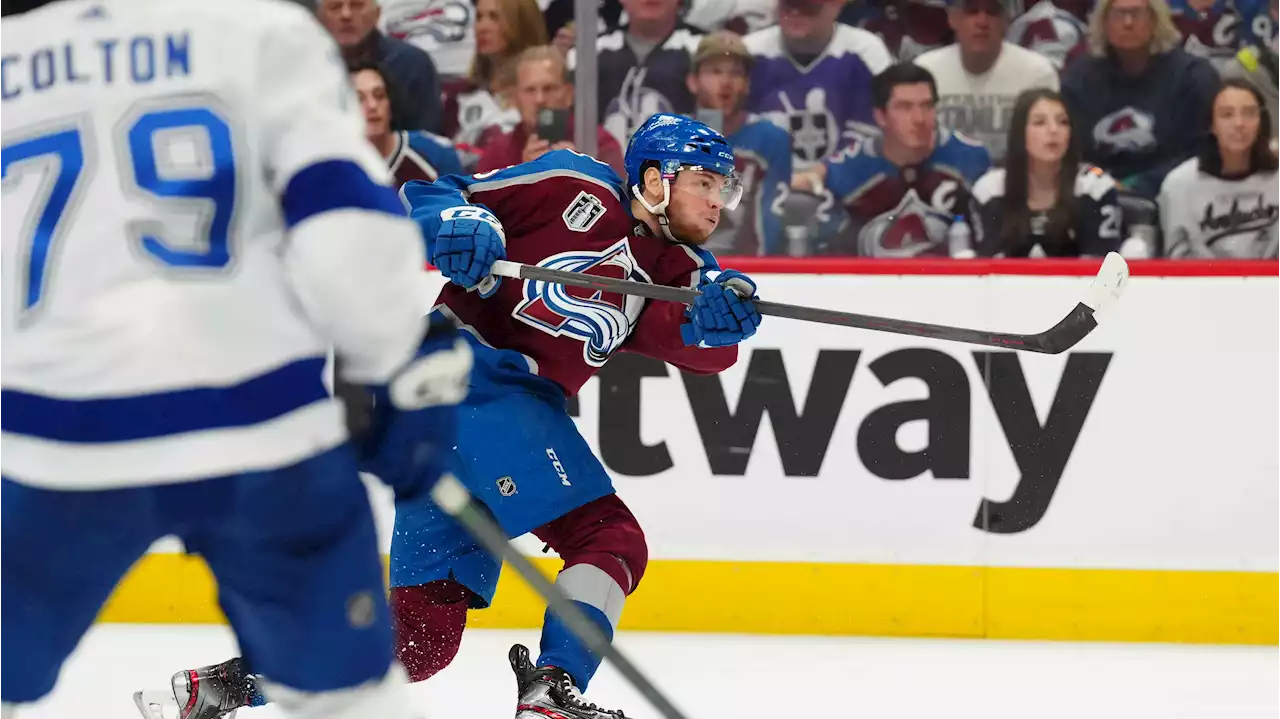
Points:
[[659, 210]]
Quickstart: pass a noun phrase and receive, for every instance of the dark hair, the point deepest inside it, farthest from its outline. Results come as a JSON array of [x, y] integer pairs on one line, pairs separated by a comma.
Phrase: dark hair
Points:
[[393, 93], [1016, 224], [902, 73], [1261, 159]]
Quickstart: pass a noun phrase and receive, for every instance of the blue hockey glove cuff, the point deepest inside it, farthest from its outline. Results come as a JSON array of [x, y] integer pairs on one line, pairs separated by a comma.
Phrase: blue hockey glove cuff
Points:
[[469, 241], [411, 431]]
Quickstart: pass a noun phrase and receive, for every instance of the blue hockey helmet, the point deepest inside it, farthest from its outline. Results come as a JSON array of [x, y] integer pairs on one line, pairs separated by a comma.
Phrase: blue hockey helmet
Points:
[[679, 143]]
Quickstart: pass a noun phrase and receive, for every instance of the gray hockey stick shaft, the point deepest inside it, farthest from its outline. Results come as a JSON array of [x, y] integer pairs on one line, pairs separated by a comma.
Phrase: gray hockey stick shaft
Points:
[[456, 501], [1105, 290]]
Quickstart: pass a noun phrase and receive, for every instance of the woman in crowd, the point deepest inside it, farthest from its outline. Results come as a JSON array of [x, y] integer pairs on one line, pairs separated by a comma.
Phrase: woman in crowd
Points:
[[504, 28], [1045, 201], [1223, 202]]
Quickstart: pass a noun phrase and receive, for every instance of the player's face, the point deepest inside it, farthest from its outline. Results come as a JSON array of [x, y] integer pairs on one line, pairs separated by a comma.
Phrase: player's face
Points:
[[910, 117], [491, 38], [540, 84], [1130, 24], [1237, 120], [979, 26], [694, 210], [1048, 131], [651, 11], [371, 89], [807, 19], [720, 84], [348, 21]]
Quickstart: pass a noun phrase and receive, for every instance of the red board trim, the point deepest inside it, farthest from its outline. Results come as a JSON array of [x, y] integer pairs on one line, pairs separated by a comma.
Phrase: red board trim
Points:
[[947, 266], [1044, 266]]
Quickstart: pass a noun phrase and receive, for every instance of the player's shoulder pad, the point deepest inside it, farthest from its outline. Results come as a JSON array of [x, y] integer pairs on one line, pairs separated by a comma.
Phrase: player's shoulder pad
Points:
[[438, 150], [557, 164], [1094, 182], [989, 187]]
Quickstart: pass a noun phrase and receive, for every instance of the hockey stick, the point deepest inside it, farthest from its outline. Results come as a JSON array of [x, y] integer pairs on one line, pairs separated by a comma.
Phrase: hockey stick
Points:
[[457, 502], [1103, 293]]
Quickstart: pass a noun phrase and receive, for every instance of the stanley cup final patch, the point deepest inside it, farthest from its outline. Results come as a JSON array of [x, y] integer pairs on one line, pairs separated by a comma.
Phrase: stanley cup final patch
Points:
[[583, 213]]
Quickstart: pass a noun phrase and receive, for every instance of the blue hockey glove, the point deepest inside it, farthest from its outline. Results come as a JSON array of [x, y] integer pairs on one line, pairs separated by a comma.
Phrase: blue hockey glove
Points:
[[409, 434], [723, 314], [469, 241]]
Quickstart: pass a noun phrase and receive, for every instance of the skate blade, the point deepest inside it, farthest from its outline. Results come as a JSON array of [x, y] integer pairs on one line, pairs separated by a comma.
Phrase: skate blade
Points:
[[156, 704], [152, 703]]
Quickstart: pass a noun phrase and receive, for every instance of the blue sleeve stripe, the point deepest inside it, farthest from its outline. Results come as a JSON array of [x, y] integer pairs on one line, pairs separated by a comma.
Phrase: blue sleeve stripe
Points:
[[335, 185], [124, 419]]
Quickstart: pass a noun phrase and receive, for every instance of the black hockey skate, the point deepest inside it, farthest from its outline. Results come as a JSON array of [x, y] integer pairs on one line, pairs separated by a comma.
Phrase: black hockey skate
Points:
[[213, 692], [549, 692]]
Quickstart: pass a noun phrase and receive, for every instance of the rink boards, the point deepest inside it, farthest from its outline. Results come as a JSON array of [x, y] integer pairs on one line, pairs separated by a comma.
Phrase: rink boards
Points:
[[847, 482]]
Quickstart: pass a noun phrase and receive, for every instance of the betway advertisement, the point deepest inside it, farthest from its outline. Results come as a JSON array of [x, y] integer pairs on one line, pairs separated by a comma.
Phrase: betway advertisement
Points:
[[1152, 444]]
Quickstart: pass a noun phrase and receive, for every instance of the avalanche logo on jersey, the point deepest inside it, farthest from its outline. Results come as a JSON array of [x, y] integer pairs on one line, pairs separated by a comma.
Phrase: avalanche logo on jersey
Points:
[[446, 21], [1126, 130], [1050, 31], [601, 320], [911, 229]]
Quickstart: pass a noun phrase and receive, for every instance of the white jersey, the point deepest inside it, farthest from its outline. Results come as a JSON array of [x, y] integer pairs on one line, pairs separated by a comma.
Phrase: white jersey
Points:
[[1208, 217], [192, 219]]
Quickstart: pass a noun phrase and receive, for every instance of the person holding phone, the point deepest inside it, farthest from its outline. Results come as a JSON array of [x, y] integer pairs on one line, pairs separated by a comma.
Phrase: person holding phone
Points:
[[544, 97]]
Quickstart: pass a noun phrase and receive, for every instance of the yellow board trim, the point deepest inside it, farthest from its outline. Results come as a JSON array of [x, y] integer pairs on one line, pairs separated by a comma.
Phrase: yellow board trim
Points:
[[843, 599]]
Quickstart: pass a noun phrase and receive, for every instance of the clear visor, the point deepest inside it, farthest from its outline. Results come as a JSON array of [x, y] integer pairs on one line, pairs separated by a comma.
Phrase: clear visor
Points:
[[710, 185]]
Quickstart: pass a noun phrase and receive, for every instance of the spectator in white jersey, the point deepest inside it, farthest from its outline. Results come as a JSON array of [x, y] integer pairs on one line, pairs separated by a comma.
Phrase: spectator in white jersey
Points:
[[980, 75], [482, 104], [642, 66], [354, 25], [1224, 202], [812, 77], [1045, 202], [761, 150]]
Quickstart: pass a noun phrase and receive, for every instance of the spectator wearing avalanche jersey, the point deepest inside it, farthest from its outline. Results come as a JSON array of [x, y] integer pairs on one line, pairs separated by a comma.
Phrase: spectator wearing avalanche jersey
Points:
[[1209, 28], [1054, 30], [642, 66], [410, 155], [980, 75], [897, 194], [761, 150], [1139, 101], [1224, 202], [812, 78]]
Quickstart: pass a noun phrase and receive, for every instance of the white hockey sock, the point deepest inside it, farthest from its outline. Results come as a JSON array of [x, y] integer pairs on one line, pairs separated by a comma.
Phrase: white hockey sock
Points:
[[386, 698]]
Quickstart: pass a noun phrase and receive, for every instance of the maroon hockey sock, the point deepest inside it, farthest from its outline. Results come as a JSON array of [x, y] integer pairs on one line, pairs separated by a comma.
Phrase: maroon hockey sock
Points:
[[429, 619]]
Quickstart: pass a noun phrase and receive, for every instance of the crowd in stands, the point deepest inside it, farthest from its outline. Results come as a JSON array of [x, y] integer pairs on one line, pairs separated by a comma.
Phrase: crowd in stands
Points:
[[881, 128]]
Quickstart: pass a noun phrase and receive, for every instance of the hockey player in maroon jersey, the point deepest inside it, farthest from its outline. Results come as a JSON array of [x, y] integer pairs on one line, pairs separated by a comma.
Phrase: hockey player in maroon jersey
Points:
[[534, 345]]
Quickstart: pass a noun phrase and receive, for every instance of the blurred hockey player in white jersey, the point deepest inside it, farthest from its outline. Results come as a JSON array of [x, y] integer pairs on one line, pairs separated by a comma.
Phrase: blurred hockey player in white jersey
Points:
[[192, 221]]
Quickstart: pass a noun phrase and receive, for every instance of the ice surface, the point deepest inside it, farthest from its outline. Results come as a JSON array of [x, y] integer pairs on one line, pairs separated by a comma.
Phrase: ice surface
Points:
[[743, 677]]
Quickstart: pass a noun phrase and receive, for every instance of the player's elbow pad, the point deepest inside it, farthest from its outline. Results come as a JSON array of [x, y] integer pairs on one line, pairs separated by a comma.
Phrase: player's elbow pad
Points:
[[359, 276]]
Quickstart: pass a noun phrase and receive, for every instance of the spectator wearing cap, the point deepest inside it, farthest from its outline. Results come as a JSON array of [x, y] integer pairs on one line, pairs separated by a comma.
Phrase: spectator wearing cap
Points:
[[1140, 102], [544, 97], [812, 77], [761, 150], [980, 75], [354, 25]]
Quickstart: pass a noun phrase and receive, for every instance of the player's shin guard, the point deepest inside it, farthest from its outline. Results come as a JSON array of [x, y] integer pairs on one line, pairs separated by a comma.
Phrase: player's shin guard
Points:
[[600, 598], [385, 698]]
